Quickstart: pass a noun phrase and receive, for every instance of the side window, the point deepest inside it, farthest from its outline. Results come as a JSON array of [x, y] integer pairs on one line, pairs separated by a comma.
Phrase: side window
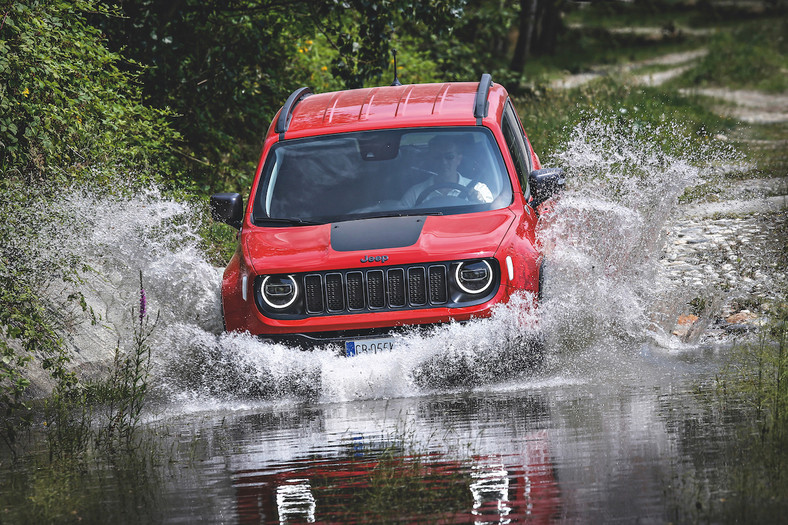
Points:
[[515, 142]]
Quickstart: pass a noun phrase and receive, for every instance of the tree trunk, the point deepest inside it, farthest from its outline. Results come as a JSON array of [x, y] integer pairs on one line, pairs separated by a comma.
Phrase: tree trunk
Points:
[[522, 49], [547, 27]]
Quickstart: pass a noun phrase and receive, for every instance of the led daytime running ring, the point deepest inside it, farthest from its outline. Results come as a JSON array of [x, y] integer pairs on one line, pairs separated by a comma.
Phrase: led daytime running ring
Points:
[[279, 306], [480, 290]]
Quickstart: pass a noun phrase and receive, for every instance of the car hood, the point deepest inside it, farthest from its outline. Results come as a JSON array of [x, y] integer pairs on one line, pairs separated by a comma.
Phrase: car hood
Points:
[[375, 242]]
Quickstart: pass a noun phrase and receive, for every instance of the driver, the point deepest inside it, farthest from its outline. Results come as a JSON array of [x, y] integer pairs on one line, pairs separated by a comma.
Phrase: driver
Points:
[[446, 158]]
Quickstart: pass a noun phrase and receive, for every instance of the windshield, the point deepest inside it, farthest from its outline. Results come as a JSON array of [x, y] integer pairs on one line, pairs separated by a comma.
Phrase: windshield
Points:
[[379, 173]]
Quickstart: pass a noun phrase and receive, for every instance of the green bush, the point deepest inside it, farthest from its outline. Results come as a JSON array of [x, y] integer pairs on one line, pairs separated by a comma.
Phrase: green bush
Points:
[[28, 328], [65, 102]]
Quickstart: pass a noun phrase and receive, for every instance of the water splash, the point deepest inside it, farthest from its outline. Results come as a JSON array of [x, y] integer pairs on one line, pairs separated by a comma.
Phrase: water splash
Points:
[[195, 363], [603, 283], [607, 234], [115, 238]]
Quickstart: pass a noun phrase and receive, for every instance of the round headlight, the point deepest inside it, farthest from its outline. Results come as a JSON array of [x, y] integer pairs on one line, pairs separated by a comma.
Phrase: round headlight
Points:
[[473, 277], [279, 291]]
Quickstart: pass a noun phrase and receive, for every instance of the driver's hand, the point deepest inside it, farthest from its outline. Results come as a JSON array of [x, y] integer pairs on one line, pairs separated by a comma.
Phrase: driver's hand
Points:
[[475, 195], [481, 193]]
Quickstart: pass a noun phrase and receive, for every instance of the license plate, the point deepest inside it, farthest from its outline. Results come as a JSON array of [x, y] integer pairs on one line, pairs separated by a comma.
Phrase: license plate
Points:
[[368, 346]]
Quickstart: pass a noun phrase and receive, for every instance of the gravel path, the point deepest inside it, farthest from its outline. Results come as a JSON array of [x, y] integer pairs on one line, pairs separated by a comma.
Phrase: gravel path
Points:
[[683, 60], [731, 267], [753, 107]]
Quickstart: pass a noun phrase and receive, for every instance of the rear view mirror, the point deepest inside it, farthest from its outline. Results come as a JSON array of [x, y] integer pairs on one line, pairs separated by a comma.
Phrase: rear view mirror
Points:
[[545, 183], [228, 208]]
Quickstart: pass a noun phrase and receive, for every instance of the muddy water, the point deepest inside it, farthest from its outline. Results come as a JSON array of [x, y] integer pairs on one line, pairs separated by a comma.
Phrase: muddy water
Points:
[[627, 435]]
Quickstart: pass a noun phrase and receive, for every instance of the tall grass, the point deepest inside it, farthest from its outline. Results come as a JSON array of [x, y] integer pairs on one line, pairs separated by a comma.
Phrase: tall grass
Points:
[[757, 377], [88, 426], [105, 414], [127, 386]]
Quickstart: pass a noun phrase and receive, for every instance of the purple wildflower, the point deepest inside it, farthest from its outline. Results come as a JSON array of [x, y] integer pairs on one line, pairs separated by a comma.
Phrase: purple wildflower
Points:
[[143, 301]]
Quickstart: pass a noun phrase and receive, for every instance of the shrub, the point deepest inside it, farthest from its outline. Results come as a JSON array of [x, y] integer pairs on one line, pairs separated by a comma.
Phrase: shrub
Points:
[[65, 104]]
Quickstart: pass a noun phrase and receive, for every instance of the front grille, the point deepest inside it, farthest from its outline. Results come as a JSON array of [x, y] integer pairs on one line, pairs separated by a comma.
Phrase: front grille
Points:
[[335, 292], [376, 289]]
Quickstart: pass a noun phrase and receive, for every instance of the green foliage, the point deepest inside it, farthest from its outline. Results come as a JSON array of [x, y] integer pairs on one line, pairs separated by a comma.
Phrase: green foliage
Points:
[[69, 110], [362, 31], [65, 104], [477, 43], [219, 242], [28, 328], [312, 64], [225, 68]]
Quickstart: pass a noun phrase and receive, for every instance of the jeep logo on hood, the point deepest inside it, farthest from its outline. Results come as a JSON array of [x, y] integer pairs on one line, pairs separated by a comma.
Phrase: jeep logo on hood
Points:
[[374, 258]]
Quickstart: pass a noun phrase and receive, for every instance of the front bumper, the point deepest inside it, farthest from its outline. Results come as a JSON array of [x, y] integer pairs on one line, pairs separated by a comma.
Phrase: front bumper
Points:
[[310, 340]]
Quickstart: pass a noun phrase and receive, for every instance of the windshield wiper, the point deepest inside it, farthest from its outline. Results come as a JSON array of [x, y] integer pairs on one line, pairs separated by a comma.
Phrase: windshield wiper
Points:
[[294, 221], [402, 214]]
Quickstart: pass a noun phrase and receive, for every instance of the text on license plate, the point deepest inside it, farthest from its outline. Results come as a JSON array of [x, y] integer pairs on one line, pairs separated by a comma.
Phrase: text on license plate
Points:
[[368, 346]]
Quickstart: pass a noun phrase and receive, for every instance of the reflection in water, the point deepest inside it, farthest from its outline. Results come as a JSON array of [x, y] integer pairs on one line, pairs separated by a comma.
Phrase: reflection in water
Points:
[[348, 462], [294, 501], [541, 454], [621, 448], [490, 490], [352, 486]]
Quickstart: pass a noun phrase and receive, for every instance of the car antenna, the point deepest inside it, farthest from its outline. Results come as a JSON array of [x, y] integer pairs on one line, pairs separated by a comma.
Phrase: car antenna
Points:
[[396, 80]]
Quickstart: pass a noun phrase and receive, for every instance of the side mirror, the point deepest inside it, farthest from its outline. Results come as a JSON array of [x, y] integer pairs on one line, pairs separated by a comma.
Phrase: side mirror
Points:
[[228, 208], [545, 183]]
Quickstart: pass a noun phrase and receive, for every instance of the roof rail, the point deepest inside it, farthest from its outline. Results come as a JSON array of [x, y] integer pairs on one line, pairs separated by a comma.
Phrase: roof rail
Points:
[[481, 105], [287, 110]]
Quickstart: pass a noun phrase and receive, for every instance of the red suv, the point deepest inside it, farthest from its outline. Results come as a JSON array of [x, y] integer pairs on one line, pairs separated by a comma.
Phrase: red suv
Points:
[[384, 207]]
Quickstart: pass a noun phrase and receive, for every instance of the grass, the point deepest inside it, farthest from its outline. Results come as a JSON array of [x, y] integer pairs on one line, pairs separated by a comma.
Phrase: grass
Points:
[[752, 56], [581, 48], [661, 13], [757, 377], [765, 145]]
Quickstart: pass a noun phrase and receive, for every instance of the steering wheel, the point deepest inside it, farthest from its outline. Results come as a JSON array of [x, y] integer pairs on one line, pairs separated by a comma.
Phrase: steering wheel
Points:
[[435, 187]]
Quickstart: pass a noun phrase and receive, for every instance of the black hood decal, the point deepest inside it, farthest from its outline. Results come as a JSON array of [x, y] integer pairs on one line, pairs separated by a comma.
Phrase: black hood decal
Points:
[[376, 234]]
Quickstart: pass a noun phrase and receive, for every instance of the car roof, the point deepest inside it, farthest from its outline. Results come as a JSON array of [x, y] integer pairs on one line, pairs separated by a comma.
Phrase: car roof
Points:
[[411, 105]]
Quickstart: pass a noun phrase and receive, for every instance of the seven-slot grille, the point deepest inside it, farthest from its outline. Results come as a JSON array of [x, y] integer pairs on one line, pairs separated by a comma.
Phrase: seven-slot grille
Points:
[[376, 289]]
